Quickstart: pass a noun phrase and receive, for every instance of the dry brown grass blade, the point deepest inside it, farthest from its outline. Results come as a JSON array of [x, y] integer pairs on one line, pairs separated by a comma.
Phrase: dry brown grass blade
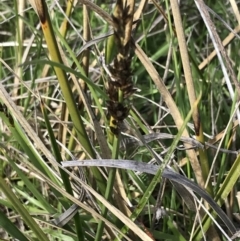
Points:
[[121, 196], [64, 25], [212, 30], [225, 42], [39, 8], [139, 10], [190, 88], [86, 53], [235, 10], [162, 12], [192, 98], [185, 61], [86, 37], [19, 50], [99, 11], [172, 106]]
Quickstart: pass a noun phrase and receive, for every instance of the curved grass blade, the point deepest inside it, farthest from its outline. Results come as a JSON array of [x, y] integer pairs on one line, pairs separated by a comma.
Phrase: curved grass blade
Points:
[[95, 214], [153, 169], [169, 174]]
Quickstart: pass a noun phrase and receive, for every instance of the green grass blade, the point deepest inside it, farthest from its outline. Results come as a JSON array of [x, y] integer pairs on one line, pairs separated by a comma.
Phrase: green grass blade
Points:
[[32, 188], [221, 195], [64, 175], [62, 78], [41, 236], [10, 228]]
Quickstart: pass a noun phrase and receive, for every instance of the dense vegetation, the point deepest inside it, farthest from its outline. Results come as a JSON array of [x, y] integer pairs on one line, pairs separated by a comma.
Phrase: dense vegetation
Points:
[[153, 82]]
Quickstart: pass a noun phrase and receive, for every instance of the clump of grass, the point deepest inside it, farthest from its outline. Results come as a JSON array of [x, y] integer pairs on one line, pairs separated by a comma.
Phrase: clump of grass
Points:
[[57, 91]]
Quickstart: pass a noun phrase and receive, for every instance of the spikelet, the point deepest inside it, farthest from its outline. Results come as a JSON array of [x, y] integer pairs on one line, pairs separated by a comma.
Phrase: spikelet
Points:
[[120, 80]]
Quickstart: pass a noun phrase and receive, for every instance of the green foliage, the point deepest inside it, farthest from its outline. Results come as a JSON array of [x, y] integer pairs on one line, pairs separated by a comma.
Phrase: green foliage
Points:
[[73, 123]]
